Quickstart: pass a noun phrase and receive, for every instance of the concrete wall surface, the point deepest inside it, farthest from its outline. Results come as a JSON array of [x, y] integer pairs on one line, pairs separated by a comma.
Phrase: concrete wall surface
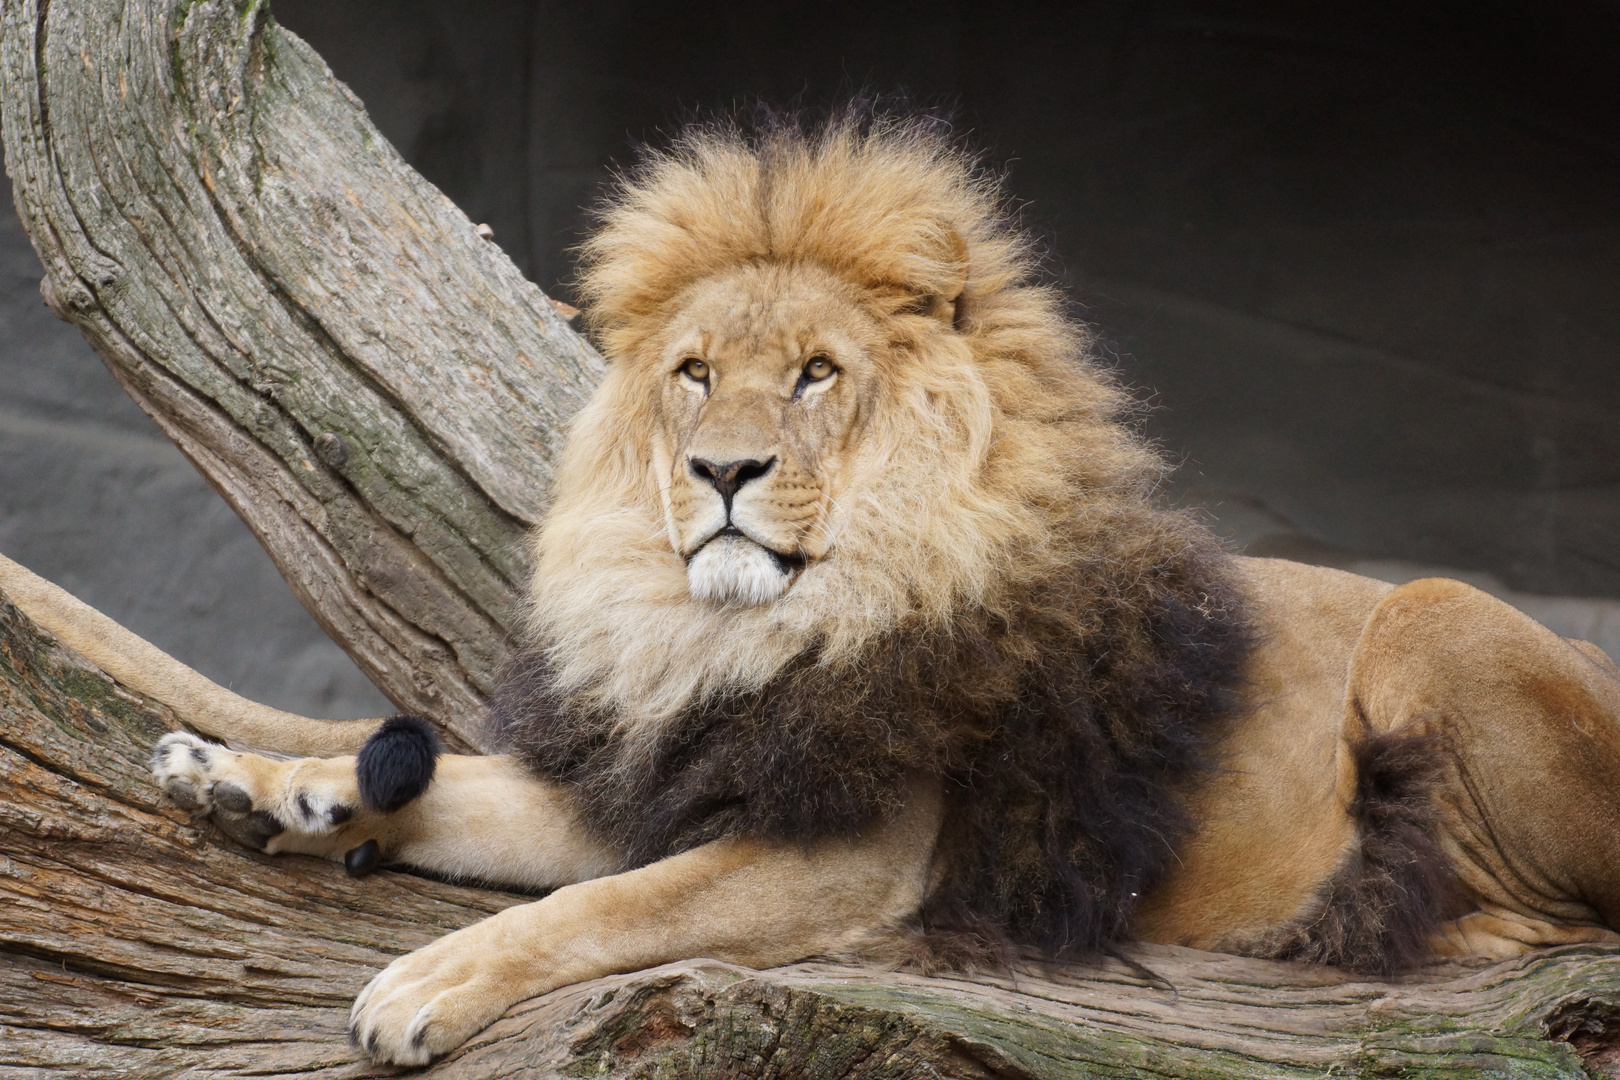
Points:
[[1363, 260]]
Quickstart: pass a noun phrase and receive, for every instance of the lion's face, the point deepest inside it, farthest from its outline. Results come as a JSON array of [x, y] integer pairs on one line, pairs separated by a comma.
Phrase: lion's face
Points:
[[765, 374], [835, 406]]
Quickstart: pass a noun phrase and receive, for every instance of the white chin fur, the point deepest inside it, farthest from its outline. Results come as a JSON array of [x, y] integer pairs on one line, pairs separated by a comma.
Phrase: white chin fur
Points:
[[732, 570]]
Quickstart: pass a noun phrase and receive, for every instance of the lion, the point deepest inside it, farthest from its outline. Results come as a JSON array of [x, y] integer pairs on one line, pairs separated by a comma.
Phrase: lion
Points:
[[860, 629]]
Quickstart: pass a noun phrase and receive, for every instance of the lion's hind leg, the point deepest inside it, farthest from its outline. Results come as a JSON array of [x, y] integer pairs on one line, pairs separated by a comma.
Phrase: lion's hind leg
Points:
[[1529, 810], [397, 802]]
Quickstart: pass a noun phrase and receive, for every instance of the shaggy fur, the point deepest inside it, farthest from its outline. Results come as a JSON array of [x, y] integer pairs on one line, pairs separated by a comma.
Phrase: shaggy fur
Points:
[[1061, 750], [1005, 606], [1379, 913]]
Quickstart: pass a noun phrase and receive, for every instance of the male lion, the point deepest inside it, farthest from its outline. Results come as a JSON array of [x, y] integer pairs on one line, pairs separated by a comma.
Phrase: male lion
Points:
[[858, 631]]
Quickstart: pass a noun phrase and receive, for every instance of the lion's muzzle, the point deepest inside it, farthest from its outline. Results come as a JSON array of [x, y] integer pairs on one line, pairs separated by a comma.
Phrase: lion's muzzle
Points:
[[733, 569], [730, 566]]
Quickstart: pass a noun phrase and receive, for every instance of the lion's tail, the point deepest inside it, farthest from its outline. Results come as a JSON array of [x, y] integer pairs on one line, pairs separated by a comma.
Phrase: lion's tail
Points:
[[146, 669]]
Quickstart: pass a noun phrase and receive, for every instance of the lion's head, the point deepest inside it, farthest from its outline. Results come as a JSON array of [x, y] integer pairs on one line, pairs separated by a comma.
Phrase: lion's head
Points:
[[853, 504], [838, 404]]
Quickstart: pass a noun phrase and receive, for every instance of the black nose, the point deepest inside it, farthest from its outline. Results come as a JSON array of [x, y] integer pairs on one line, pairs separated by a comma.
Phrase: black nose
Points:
[[727, 477]]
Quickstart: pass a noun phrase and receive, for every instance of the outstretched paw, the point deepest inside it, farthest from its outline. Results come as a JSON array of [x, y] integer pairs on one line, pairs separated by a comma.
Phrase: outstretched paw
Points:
[[427, 1003], [179, 764], [254, 799]]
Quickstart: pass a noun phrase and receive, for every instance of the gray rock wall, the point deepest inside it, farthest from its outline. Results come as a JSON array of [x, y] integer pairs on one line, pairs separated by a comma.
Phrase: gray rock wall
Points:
[[1364, 261]]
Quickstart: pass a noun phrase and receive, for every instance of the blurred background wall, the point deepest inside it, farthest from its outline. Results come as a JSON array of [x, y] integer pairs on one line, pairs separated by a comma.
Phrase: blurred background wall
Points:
[[1361, 259]]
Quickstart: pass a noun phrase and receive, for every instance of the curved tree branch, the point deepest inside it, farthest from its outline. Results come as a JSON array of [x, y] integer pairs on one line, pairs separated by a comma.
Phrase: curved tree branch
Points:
[[373, 387]]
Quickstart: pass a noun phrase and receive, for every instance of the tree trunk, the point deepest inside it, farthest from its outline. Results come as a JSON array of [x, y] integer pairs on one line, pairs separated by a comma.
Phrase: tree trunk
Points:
[[380, 394], [372, 386]]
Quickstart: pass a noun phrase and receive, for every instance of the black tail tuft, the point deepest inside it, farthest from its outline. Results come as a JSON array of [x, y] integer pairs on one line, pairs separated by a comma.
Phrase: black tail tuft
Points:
[[396, 763]]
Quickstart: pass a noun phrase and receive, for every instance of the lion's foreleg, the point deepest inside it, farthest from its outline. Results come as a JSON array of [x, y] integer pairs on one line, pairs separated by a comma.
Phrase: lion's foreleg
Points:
[[481, 818], [742, 901]]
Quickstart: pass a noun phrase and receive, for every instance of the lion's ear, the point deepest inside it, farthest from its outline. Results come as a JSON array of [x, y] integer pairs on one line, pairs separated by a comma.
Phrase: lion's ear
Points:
[[942, 295]]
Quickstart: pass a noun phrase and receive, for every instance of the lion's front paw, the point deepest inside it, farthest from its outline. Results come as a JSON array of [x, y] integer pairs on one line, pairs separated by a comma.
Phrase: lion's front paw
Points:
[[252, 798], [180, 766], [429, 1002]]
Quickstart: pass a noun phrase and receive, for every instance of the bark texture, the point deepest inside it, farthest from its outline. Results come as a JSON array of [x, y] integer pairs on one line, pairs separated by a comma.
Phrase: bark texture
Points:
[[380, 394], [370, 384]]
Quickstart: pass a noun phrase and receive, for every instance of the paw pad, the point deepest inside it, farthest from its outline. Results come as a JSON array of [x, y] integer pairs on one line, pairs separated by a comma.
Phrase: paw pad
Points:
[[363, 860], [228, 796]]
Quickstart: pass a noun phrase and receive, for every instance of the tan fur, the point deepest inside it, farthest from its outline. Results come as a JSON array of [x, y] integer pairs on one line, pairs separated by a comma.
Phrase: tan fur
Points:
[[1275, 824], [482, 819], [747, 902], [1529, 813], [141, 666], [963, 452]]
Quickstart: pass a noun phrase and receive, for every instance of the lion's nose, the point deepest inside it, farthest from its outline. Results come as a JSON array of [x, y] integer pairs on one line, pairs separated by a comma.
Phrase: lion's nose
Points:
[[729, 476]]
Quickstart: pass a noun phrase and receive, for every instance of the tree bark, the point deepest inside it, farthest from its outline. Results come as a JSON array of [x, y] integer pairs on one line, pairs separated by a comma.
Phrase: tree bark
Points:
[[372, 386], [380, 394]]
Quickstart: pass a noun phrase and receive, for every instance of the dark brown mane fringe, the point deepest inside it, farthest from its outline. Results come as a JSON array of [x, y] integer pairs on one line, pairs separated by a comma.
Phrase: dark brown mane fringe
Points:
[[1062, 735], [1380, 910]]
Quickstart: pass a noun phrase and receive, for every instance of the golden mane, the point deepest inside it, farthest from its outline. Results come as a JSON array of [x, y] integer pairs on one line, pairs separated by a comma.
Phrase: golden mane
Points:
[[1003, 456]]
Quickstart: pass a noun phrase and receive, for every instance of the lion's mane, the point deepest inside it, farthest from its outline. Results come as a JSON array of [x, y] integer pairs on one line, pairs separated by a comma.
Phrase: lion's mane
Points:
[[1007, 606]]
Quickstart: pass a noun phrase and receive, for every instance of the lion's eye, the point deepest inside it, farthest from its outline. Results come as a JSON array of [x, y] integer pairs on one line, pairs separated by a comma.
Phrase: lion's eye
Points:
[[695, 369], [818, 368]]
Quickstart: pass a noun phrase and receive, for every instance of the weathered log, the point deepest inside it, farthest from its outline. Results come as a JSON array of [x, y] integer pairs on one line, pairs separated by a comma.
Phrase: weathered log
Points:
[[139, 943], [367, 381], [377, 391]]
